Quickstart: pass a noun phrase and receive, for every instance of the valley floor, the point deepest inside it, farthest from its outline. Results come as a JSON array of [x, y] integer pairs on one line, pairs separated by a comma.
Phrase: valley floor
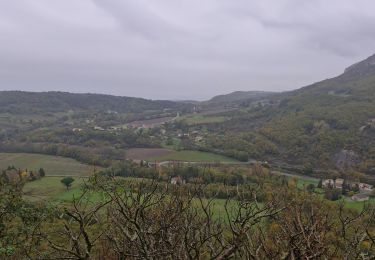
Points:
[[50, 188]]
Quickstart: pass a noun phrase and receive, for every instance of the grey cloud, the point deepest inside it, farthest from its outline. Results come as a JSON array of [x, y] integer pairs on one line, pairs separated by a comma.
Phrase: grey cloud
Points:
[[336, 26], [179, 49], [136, 17]]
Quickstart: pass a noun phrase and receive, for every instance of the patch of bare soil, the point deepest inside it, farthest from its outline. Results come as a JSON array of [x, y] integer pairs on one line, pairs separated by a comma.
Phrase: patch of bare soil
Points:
[[146, 153]]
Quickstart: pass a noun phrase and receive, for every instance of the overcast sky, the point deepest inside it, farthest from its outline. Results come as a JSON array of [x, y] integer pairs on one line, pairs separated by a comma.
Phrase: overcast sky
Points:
[[179, 49]]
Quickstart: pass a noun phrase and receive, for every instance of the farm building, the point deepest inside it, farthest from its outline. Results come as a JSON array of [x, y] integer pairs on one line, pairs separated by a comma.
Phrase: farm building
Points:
[[360, 197], [365, 187], [98, 128], [177, 180], [329, 183], [339, 183]]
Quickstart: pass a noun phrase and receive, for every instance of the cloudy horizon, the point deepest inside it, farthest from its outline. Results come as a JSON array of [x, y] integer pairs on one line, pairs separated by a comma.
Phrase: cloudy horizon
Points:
[[185, 49]]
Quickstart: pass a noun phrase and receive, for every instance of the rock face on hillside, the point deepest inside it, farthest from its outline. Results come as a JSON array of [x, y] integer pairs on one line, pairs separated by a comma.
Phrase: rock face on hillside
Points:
[[346, 159], [360, 69]]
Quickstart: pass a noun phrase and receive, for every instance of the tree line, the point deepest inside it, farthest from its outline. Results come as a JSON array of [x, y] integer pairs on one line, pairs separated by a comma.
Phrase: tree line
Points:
[[117, 219]]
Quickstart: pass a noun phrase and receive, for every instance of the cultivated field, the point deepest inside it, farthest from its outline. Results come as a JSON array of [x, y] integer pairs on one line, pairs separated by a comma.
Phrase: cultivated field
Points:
[[146, 153], [193, 156], [200, 119], [53, 165]]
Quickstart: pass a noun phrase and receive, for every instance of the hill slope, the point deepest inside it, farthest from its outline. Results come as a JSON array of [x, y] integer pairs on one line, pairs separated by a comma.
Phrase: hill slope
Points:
[[328, 124], [240, 96]]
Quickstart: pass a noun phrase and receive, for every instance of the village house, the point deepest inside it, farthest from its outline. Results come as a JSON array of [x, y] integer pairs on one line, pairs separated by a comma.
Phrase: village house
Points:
[[112, 112], [329, 183], [339, 183], [114, 128], [360, 197], [177, 180], [365, 187], [185, 135], [98, 128], [75, 130]]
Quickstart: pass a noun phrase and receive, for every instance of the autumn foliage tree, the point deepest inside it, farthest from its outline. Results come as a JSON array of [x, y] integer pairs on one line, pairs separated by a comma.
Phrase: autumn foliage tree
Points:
[[117, 219]]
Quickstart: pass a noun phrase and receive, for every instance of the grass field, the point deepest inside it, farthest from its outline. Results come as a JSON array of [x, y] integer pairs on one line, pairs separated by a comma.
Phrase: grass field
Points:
[[193, 156], [53, 165], [356, 205], [302, 183], [51, 189], [200, 119]]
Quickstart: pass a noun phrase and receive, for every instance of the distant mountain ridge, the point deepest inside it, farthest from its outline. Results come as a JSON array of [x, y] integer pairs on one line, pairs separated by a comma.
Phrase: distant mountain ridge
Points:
[[313, 125], [360, 69], [27, 102], [239, 96], [317, 125]]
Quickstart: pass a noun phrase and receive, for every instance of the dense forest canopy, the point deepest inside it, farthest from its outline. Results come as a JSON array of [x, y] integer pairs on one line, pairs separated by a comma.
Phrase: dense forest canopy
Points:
[[117, 218]]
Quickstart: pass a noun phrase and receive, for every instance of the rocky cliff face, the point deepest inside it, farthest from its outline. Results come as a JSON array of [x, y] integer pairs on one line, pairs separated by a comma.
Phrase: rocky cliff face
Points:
[[360, 69], [346, 159]]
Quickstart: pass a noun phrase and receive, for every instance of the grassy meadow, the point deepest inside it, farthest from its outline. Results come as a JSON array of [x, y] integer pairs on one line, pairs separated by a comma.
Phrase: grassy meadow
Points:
[[53, 165], [51, 189]]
